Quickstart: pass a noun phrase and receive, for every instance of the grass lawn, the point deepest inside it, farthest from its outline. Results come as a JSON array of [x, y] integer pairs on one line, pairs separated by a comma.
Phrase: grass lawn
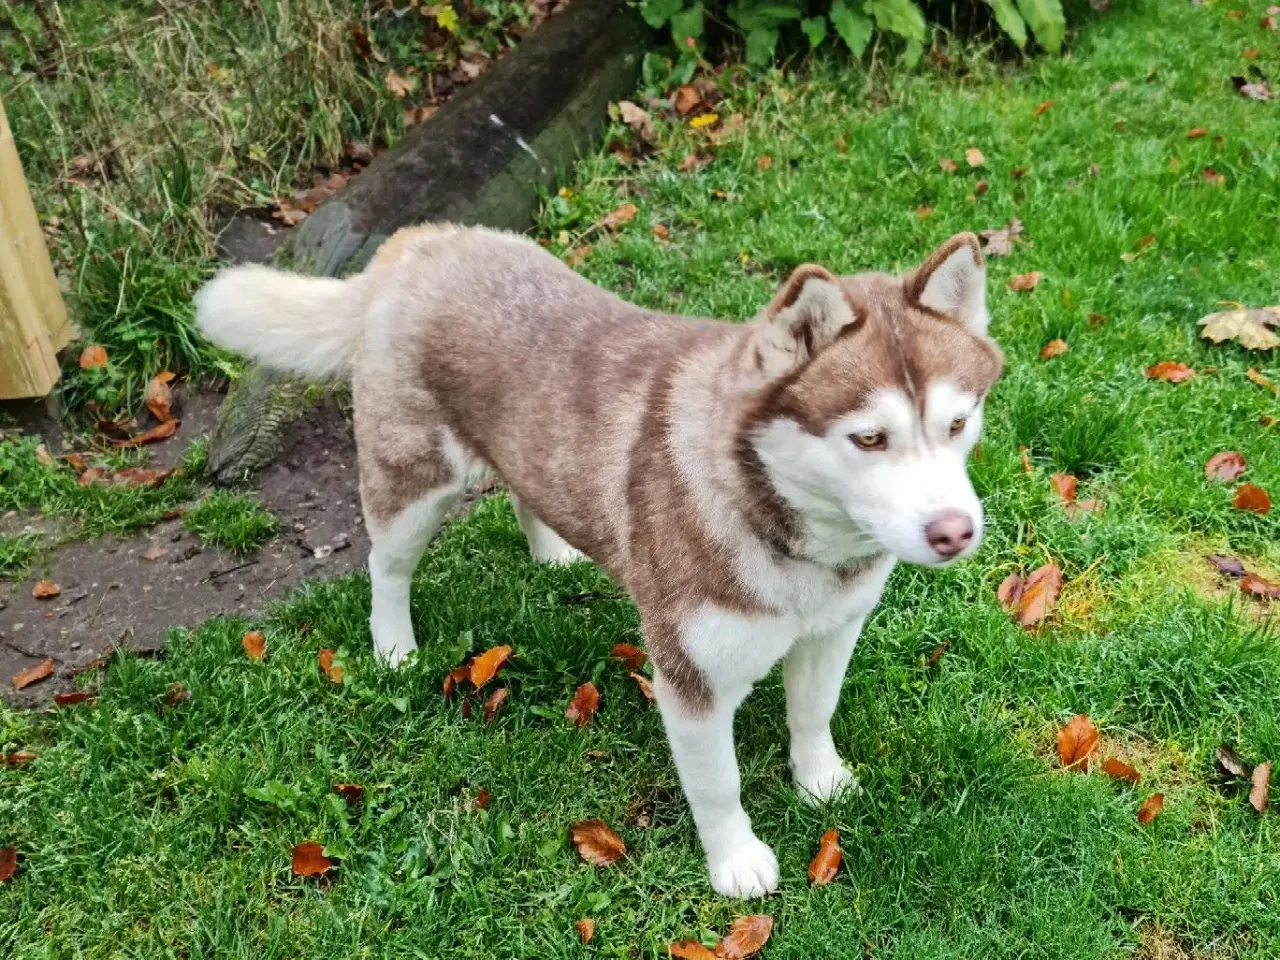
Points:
[[146, 830]]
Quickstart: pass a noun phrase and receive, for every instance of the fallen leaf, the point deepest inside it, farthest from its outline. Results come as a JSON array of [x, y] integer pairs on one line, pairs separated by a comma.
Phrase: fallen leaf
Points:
[[690, 950], [455, 677], [361, 46], [1077, 743], [1025, 454], [973, 156], [494, 704], [45, 590], [764, 163], [1249, 53], [154, 553], [586, 929], [980, 188], [1196, 133], [398, 85], [946, 163], [1044, 107], [937, 652], [161, 431], [1260, 786], [1078, 507], [597, 843], [1230, 763], [746, 937], [624, 214], [686, 99], [159, 398], [632, 657], [1097, 320], [76, 461], [583, 706], [1253, 498], [330, 669], [923, 212], [1266, 383], [1065, 486], [661, 231], [1251, 327], [1258, 586], [485, 666], [17, 758], [1120, 770], [255, 645], [1054, 348], [43, 457], [353, 793], [482, 799], [1039, 594], [1150, 808], [288, 212], [826, 864], [694, 161], [94, 355], [1010, 592], [1170, 372], [1025, 281], [704, 120], [70, 699], [176, 693], [637, 119], [309, 860], [33, 674], [1019, 172], [645, 685], [8, 862], [421, 113], [999, 243], [1226, 465], [1230, 566]]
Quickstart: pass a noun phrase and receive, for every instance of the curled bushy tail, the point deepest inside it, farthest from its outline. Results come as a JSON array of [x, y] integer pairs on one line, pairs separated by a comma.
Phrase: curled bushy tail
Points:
[[305, 325]]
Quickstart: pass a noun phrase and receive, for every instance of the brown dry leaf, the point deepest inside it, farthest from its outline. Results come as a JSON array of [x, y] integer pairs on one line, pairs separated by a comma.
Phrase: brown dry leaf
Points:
[[33, 674], [1065, 486], [129, 476], [455, 677], [693, 161], [1230, 763], [1113, 767], [938, 651], [1196, 133], [1265, 382], [637, 119], [1025, 454], [624, 214], [17, 758], [44, 457], [70, 699], [398, 85], [1039, 594], [1077, 743], [176, 693], [1258, 586], [330, 669], [999, 243], [1010, 592], [309, 860], [495, 703], [597, 843], [1044, 107], [686, 99], [1260, 786], [645, 685], [980, 188], [1249, 53], [826, 864], [632, 657], [1227, 565], [1054, 348], [419, 114], [586, 929], [485, 666], [92, 356], [690, 950], [154, 553], [288, 212], [582, 708], [1097, 321], [1251, 497], [1170, 372], [973, 156], [923, 212], [159, 398], [946, 163], [255, 645], [1226, 465], [161, 431], [1079, 507], [661, 231], [764, 163], [8, 862], [45, 590], [1251, 327], [1019, 172], [353, 793], [746, 937], [482, 799], [1150, 808], [1025, 281]]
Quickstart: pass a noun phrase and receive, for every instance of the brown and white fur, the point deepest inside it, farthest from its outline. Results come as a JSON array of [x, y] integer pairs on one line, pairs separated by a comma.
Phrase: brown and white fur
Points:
[[751, 485]]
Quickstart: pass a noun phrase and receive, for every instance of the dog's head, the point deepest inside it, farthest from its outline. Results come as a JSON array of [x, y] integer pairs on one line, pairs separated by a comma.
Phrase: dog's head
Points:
[[870, 404]]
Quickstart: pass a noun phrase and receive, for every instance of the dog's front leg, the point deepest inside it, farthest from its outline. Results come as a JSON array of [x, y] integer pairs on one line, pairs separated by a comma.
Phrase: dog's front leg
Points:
[[812, 674], [701, 738]]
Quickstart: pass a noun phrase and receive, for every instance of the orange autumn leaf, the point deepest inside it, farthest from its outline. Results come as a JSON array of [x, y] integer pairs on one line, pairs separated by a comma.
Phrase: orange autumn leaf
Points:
[[496, 701], [1025, 281], [1227, 465], [1251, 497], [632, 657], [482, 799], [685, 99], [45, 590], [824, 867], [309, 860], [690, 950], [17, 758], [586, 929], [1170, 372], [947, 164], [455, 677], [597, 843], [255, 645], [1044, 107], [1257, 586], [1260, 786], [159, 398], [1054, 348], [8, 862], [92, 356], [1064, 485], [645, 685], [1113, 767], [763, 163], [973, 156], [176, 693], [1195, 133], [485, 666], [1150, 808], [330, 669], [70, 699], [746, 937], [1077, 743], [1039, 593], [583, 706], [353, 793], [161, 431], [1025, 454], [661, 231], [33, 674], [624, 214], [1010, 592]]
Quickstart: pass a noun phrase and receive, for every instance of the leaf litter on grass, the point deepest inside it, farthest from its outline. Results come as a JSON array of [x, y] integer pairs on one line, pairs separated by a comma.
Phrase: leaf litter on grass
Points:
[[582, 708], [826, 863], [597, 843], [1077, 743], [1030, 600], [1225, 465]]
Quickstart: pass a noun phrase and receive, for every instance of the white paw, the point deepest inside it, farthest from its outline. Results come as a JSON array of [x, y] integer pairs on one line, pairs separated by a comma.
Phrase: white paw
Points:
[[394, 653], [562, 556], [817, 787], [750, 870]]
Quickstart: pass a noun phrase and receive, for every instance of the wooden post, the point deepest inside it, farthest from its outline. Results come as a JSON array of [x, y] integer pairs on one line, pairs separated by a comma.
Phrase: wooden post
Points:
[[33, 318]]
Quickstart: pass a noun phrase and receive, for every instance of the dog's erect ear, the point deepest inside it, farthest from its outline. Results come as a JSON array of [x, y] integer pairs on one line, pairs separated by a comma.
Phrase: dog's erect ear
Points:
[[805, 315], [953, 281]]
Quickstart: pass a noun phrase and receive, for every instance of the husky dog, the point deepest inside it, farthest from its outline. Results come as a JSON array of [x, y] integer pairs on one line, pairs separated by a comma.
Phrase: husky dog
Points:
[[750, 485]]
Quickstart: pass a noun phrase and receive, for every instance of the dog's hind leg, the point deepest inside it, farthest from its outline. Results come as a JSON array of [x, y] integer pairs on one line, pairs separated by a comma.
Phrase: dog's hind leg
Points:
[[544, 543]]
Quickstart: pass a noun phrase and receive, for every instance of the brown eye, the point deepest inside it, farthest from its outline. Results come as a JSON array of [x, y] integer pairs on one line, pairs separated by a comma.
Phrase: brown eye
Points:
[[957, 425], [874, 440]]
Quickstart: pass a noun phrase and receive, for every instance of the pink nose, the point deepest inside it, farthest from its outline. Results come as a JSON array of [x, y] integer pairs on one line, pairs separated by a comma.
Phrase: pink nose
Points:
[[949, 532]]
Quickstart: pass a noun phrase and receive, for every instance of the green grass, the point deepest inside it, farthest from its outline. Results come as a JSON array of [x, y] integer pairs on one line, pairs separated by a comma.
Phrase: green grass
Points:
[[233, 520], [140, 828]]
